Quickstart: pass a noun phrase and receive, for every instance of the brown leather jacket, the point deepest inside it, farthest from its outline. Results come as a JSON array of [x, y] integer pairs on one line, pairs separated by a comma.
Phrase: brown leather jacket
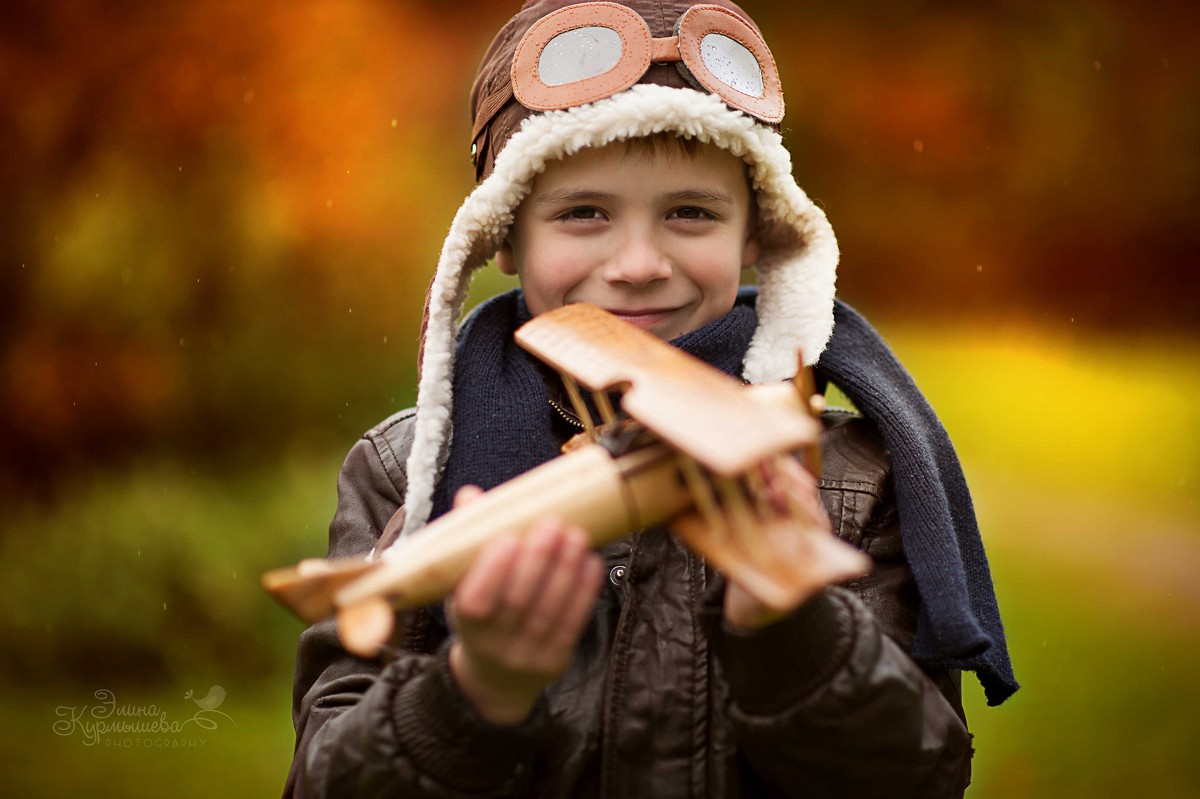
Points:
[[662, 699]]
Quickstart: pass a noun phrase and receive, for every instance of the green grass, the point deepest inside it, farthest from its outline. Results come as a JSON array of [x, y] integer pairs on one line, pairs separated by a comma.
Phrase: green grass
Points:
[[1083, 468], [146, 584], [1106, 651], [1116, 418], [151, 577], [247, 754], [1084, 460]]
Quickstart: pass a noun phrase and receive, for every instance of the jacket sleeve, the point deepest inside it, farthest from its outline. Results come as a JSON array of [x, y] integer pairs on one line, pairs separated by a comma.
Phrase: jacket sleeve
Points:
[[828, 702], [365, 728]]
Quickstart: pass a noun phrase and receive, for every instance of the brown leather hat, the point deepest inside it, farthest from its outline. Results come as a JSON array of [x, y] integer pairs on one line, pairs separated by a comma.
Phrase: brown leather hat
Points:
[[497, 113]]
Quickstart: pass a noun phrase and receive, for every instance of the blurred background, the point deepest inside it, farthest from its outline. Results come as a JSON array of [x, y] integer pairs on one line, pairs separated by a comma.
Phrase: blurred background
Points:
[[218, 220]]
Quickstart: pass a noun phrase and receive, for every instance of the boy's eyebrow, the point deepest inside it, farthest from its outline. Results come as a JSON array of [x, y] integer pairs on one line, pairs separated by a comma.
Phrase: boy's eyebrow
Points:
[[574, 196], [711, 196], [589, 196]]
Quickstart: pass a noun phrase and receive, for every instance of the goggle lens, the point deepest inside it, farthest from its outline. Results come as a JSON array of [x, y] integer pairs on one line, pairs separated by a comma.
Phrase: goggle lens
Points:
[[579, 54], [732, 63]]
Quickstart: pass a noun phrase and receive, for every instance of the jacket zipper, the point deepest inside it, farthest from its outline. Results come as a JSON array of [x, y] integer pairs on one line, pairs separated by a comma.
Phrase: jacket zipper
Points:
[[567, 415]]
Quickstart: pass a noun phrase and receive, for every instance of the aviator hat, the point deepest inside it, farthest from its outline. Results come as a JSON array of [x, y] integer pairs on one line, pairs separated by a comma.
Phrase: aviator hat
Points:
[[560, 77]]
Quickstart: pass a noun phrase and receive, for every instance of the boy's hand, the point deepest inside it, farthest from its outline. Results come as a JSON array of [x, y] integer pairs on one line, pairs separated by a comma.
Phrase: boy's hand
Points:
[[788, 485], [518, 613]]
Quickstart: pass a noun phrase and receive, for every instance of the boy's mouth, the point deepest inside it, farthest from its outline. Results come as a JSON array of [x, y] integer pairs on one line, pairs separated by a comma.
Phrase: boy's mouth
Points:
[[644, 319]]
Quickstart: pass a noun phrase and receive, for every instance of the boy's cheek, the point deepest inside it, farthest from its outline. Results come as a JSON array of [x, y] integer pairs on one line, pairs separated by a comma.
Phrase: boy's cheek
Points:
[[537, 297]]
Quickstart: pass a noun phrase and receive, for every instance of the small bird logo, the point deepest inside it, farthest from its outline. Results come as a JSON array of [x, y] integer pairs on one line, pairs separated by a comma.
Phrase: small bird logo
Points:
[[211, 701]]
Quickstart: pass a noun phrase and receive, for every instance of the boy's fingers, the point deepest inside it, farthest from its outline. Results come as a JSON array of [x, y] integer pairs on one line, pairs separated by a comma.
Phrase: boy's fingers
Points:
[[786, 478], [558, 585], [792, 490], [577, 608], [479, 593], [534, 561], [466, 494]]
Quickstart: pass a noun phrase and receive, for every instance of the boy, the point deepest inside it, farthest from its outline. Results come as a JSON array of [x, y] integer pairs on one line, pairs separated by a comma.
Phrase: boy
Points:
[[627, 158]]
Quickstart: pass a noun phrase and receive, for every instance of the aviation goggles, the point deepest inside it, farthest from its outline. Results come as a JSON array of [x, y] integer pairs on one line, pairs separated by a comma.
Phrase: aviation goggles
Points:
[[589, 51]]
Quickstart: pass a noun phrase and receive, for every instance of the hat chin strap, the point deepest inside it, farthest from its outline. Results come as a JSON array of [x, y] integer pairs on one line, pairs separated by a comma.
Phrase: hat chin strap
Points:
[[796, 272]]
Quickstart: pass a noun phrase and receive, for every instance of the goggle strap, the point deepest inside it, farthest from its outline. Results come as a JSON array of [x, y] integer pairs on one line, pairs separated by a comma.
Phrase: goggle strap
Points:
[[665, 50]]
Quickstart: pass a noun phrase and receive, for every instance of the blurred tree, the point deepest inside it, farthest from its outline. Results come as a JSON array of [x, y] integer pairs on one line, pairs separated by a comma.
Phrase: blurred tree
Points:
[[212, 205], [220, 218], [1004, 159]]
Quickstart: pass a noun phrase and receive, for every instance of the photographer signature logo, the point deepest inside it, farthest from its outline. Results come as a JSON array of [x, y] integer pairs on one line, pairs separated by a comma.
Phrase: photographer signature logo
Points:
[[140, 726]]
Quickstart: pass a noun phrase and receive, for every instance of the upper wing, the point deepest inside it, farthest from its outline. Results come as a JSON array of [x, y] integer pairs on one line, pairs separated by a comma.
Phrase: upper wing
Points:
[[687, 403]]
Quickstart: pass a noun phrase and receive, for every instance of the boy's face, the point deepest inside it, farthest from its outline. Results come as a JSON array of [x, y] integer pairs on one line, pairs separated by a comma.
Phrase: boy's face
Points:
[[656, 237]]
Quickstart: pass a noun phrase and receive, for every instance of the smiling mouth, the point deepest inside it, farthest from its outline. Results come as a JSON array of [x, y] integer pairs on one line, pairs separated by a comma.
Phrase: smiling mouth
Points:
[[645, 318]]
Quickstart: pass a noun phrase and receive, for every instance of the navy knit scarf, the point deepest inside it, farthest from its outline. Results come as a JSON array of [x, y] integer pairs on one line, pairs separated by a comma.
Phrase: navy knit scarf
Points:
[[959, 622], [502, 428]]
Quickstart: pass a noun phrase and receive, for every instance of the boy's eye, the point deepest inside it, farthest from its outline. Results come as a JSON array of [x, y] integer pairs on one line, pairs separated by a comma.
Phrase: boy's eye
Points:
[[691, 212], [582, 213]]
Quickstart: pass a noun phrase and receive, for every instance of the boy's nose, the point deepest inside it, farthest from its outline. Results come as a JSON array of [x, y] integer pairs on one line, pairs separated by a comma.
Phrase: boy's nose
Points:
[[638, 263]]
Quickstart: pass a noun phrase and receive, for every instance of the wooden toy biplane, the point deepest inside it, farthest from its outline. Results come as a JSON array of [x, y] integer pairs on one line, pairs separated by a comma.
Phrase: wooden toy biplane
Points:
[[685, 445]]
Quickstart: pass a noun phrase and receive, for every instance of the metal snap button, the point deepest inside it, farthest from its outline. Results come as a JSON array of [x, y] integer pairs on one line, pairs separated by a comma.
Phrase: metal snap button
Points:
[[616, 575]]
